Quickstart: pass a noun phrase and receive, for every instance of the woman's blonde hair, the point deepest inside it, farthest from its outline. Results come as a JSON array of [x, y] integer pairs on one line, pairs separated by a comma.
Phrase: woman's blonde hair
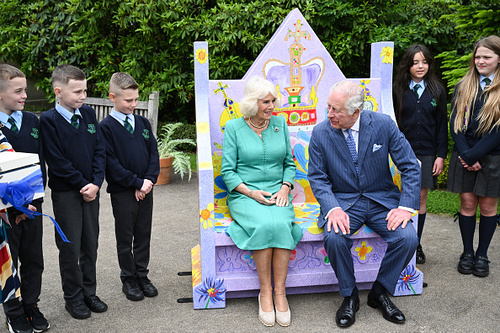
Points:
[[467, 93], [256, 88]]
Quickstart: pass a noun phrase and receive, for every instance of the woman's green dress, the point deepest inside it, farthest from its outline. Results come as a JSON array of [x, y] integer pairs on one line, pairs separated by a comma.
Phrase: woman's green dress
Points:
[[262, 164]]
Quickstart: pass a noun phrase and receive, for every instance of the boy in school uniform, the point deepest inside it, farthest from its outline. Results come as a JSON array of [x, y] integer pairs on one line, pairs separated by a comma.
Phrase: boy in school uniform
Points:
[[132, 167], [22, 130], [76, 156]]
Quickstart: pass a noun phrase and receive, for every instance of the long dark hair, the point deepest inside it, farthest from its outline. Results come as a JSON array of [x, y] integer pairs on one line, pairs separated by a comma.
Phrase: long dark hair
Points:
[[403, 77]]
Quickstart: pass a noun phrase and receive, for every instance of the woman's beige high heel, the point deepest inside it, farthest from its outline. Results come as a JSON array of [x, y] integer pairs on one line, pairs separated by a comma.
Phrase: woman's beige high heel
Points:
[[283, 318], [266, 318]]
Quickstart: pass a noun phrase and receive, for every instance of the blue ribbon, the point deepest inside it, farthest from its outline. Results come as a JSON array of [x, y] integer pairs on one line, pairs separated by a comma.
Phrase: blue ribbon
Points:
[[21, 192]]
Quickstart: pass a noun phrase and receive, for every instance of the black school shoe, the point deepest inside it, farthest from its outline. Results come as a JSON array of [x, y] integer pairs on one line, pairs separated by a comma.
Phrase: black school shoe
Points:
[[466, 263], [147, 287], [37, 319], [420, 256], [481, 267]]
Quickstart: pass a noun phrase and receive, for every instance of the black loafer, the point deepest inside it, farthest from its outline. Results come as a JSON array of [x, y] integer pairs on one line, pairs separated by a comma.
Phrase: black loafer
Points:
[[78, 309], [420, 256], [466, 263], [132, 290], [481, 267], [95, 304], [346, 314], [147, 287], [389, 310]]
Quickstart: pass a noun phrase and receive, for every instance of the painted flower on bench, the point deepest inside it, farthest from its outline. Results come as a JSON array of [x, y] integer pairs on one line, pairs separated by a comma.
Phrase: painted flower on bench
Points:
[[248, 258], [407, 280], [207, 216], [363, 250], [212, 291]]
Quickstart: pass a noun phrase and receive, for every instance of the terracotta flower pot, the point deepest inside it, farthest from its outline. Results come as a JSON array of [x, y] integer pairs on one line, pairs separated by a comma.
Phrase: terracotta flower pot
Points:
[[165, 170]]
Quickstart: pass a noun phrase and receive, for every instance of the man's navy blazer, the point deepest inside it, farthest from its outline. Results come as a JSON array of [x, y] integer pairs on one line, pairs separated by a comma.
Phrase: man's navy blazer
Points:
[[332, 174]]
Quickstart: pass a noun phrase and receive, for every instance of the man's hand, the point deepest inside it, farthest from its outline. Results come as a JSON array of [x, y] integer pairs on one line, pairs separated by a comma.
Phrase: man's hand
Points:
[[147, 186], [89, 192], [397, 216], [339, 220], [22, 217]]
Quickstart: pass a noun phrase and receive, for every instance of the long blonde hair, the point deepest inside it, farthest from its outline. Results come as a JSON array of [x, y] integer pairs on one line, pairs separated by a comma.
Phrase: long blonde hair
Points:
[[467, 93]]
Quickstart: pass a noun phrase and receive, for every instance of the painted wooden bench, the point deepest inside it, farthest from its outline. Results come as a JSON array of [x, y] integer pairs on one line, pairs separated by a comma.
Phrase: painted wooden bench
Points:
[[303, 71], [148, 109]]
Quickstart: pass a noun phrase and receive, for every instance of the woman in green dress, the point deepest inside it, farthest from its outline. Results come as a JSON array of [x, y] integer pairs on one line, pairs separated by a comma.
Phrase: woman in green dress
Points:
[[258, 169]]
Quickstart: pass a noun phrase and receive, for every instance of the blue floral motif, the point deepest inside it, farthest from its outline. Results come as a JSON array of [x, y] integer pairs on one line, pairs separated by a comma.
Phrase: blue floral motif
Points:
[[248, 258], [227, 259], [408, 277], [212, 290], [309, 260]]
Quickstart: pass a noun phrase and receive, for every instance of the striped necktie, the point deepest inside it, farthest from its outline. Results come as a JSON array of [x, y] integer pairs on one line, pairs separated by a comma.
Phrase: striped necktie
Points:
[[74, 121], [13, 125], [415, 89], [352, 148], [487, 83], [128, 126]]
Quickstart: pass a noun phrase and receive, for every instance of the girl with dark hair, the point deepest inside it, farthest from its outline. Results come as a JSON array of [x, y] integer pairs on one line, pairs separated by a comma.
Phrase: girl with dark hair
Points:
[[420, 107], [474, 170]]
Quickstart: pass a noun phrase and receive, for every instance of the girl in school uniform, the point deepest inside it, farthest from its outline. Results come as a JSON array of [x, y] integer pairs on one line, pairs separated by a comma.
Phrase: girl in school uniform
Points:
[[420, 107], [474, 170]]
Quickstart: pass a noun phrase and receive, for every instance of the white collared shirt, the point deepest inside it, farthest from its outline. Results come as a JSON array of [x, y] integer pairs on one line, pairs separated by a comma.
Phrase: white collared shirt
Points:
[[121, 118], [18, 117], [421, 89], [66, 113], [482, 77]]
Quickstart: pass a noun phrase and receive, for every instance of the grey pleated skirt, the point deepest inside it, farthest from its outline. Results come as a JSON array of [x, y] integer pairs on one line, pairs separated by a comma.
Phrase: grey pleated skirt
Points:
[[427, 163], [484, 183]]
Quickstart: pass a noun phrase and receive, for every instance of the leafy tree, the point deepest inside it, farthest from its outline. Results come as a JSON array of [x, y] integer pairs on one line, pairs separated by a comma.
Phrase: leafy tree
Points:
[[473, 20], [153, 39]]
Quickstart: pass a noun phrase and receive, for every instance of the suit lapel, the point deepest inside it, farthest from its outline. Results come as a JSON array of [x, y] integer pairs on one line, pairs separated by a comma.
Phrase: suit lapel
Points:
[[365, 138]]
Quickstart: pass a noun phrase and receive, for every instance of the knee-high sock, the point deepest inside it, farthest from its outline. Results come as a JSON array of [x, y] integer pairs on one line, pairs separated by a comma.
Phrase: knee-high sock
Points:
[[487, 227], [467, 227], [420, 228]]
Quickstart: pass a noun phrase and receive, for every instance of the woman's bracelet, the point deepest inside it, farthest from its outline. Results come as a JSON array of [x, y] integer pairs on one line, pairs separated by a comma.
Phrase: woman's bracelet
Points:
[[289, 186], [250, 194]]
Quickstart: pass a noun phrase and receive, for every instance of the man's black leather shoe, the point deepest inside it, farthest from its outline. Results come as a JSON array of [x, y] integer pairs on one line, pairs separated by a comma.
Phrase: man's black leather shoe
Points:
[[481, 267], [466, 263], [346, 314], [78, 309], [147, 287], [420, 256], [132, 290], [389, 310], [95, 304]]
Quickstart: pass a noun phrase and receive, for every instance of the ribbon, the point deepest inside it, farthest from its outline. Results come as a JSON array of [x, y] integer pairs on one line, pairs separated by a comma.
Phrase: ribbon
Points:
[[21, 192]]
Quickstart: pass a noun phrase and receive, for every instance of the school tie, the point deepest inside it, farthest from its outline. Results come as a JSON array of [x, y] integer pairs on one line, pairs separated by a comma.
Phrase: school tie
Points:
[[74, 121], [128, 126], [415, 89], [352, 148], [13, 125], [487, 83]]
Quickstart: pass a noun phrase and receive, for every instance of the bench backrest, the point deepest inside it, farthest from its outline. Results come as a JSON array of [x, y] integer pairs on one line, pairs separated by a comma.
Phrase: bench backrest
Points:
[[148, 109]]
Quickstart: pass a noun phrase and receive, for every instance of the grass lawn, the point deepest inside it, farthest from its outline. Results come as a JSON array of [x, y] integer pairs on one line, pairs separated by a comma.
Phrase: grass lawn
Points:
[[444, 202]]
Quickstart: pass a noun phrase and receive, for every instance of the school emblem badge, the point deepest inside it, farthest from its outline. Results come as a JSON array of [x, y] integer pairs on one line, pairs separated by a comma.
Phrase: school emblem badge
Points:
[[34, 133], [91, 128], [433, 102], [145, 134]]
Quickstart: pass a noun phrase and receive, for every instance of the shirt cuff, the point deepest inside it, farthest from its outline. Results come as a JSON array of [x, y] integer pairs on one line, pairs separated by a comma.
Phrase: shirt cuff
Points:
[[331, 210], [411, 210]]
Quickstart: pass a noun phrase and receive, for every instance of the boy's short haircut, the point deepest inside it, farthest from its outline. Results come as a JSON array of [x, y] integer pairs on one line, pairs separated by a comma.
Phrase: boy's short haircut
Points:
[[121, 81], [7, 73], [63, 73]]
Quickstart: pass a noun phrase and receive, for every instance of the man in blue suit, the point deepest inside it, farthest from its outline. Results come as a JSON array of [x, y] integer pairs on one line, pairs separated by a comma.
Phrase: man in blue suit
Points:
[[351, 179]]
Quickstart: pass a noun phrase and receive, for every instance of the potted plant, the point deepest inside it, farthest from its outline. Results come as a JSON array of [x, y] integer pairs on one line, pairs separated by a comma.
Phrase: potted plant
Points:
[[170, 156]]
